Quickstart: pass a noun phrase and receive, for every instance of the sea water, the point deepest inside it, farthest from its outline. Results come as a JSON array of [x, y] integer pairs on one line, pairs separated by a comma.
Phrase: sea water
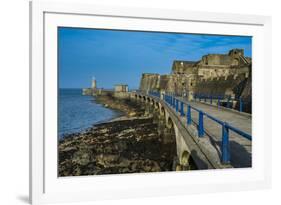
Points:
[[77, 112]]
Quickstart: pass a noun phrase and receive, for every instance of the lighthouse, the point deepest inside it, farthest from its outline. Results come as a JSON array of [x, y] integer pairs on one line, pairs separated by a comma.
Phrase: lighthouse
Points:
[[94, 83]]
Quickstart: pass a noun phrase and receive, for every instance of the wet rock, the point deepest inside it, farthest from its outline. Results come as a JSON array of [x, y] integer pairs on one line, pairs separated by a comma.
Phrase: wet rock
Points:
[[81, 158], [132, 114], [156, 168], [130, 145], [106, 160]]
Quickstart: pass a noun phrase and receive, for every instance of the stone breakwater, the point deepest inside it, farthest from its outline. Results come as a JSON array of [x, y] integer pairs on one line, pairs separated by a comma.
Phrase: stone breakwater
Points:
[[130, 145], [126, 106]]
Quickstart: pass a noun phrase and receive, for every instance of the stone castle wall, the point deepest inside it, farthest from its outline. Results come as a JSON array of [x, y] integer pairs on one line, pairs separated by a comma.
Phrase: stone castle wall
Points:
[[149, 81], [221, 86], [183, 67], [214, 74]]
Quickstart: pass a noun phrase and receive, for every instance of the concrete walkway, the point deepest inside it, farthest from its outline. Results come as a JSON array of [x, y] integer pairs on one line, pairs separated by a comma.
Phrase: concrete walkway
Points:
[[240, 147]]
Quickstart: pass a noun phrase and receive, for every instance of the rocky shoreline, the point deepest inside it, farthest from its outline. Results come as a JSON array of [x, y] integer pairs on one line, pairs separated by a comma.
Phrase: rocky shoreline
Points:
[[129, 144], [127, 107]]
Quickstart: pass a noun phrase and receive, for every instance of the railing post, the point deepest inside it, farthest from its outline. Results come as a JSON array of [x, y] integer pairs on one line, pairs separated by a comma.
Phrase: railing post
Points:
[[228, 102], [211, 100], [188, 115], [205, 98], [169, 99], [225, 144], [240, 105], [182, 107], [201, 124], [219, 102], [177, 105]]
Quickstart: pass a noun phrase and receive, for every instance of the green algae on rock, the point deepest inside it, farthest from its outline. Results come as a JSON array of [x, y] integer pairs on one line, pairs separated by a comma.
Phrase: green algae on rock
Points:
[[131, 144], [127, 146]]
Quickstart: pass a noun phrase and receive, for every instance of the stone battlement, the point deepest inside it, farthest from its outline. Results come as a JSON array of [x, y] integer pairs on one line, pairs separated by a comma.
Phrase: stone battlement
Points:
[[219, 74]]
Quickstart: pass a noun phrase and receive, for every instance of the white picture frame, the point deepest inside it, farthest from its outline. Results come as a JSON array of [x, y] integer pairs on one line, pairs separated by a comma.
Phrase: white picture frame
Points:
[[46, 187]]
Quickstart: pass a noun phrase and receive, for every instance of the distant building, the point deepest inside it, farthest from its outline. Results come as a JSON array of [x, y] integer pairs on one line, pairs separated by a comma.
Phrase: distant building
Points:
[[94, 83], [121, 88]]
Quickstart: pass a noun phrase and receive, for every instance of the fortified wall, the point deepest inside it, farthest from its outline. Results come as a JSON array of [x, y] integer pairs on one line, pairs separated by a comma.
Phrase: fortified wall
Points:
[[120, 91], [215, 74], [150, 81]]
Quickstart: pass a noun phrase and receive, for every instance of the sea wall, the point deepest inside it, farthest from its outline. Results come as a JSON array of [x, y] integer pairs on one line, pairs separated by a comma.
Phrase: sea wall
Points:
[[121, 95], [87, 91]]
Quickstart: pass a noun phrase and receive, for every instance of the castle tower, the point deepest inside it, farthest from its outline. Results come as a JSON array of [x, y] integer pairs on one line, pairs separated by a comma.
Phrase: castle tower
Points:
[[94, 83]]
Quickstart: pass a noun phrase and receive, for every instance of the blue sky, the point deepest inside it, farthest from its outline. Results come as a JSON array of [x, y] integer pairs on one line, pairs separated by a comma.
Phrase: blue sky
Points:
[[115, 57]]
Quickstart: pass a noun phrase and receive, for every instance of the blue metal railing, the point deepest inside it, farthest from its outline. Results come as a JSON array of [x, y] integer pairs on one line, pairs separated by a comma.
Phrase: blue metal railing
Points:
[[179, 105], [154, 93], [219, 98]]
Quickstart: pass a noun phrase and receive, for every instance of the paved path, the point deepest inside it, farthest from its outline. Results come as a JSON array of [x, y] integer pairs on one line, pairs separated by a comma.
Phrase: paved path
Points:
[[240, 147]]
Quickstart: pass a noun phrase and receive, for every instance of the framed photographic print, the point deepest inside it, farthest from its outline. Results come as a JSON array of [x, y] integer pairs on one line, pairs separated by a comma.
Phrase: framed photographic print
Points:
[[129, 102]]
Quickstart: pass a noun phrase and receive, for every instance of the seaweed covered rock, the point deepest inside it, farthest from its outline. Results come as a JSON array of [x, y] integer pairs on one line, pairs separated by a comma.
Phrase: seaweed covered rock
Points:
[[127, 146]]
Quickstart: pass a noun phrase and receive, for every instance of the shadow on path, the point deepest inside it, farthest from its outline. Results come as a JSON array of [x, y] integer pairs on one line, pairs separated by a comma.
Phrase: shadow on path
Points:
[[239, 156]]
